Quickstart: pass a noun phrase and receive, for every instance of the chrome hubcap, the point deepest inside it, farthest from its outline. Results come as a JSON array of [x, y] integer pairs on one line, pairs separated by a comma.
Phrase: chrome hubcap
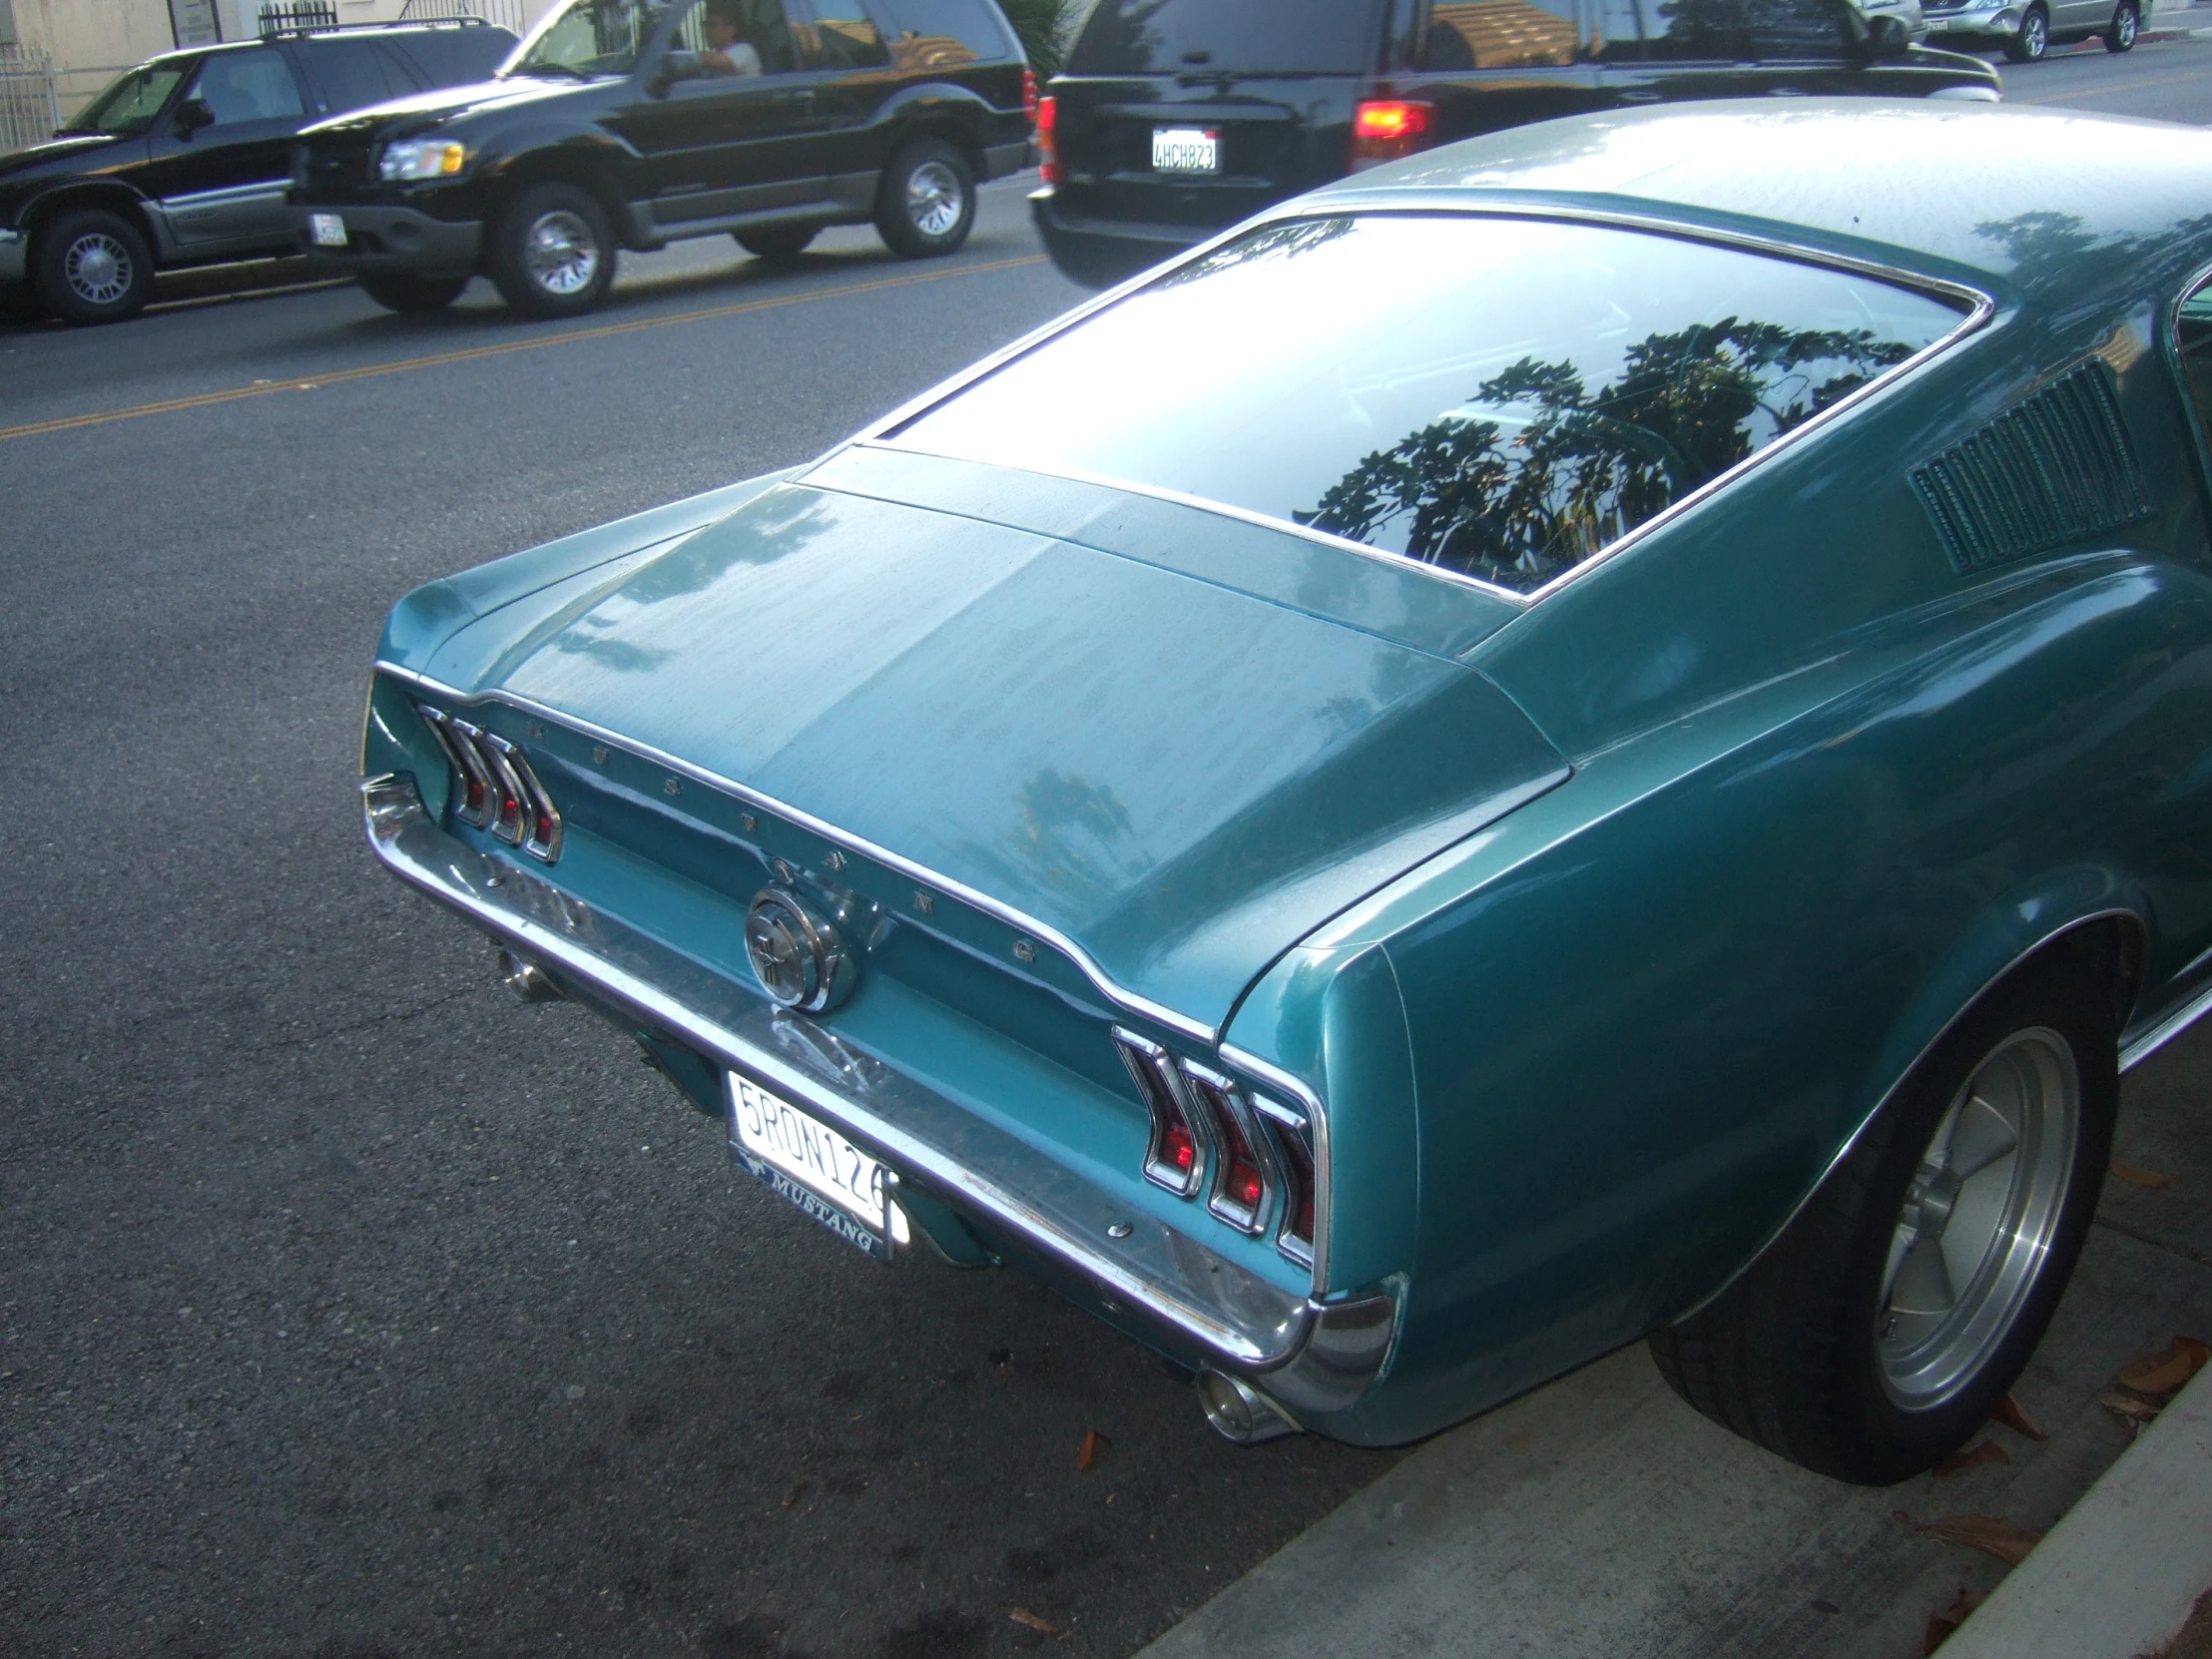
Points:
[[1978, 1219], [97, 269], [933, 199], [561, 252]]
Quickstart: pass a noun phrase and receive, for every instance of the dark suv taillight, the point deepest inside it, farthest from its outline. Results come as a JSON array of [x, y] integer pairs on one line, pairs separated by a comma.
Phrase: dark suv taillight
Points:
[[1384, 128], [1048, 153]]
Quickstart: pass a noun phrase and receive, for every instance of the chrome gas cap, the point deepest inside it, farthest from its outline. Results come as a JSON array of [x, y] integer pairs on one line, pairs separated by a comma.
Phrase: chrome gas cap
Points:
[[802, 961]]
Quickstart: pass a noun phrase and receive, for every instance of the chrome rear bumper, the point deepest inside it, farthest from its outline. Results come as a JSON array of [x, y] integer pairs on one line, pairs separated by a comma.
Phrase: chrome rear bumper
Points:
[[1317, 1357]]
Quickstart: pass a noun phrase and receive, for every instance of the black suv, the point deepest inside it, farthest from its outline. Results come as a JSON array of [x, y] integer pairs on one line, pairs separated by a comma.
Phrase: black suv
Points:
[[631, 124], [185, 159], [1177, 118]]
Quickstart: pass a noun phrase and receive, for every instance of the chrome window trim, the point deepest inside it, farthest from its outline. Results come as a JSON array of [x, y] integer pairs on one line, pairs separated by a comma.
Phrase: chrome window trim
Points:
[[1980, 307], [1314, 1351], [1217, 1202], [919, 873], [1316, 1119]]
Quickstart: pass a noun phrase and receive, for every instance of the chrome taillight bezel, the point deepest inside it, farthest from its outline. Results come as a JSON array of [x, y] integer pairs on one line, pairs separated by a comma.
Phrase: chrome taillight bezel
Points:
[[1291, 1141], [1230, 1119], [1167, 1100], [509, 801]]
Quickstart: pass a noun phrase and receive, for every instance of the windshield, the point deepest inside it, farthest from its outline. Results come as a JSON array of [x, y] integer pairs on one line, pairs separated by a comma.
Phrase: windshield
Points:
[[1501, 397], [130, 103], [588, 37]]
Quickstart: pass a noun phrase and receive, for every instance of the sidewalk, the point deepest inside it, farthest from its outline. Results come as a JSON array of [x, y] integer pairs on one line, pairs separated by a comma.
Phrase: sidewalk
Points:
[[1602, 1517]]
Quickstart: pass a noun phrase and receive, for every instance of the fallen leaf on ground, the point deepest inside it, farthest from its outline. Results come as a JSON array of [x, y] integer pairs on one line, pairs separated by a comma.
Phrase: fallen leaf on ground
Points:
[[1942, 1626], [1988, 1451], [2162, 1374], [1022, 1615], [1093, 1443], [791, 1497], [2126, 1402], [2014, 1416], [2008, 1543], [2137, 1176]]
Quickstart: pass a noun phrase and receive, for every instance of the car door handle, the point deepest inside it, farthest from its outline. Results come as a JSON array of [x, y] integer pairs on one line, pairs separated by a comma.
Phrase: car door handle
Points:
[[1640, 95], [1785, 92]]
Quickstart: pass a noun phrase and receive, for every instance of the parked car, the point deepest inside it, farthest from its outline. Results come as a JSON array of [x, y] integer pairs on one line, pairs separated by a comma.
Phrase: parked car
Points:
[[1601, 734], [629, 123], [185, 159], [2027, 31], [1175, 119]]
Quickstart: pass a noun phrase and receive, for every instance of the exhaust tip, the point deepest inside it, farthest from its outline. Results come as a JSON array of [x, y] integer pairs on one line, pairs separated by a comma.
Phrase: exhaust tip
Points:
[[526, 980], [1240, 1413]]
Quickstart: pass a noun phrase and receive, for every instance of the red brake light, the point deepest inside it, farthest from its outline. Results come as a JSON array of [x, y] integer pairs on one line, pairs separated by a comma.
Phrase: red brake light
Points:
[[1048, 155], [1028, 92], [1383, 129]]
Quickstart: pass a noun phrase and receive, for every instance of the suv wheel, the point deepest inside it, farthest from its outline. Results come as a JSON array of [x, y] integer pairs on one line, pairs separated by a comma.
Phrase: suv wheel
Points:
[[93, 266], [2033, 39], [777, 242], [1891, 1315], [552, 252], [2127, 23], [926, 204], [398, 291]]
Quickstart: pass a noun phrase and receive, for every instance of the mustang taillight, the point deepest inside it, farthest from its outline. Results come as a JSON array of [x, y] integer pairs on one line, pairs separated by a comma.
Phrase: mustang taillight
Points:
[[1293, 1139], [1048, 133], [1173, 1158], [494, 787], [1242, 1178]]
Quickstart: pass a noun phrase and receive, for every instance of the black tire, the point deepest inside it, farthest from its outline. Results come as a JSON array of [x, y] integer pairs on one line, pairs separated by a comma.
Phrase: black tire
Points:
[[1801, 1354], [926, 206], [778, 242], [552, 252], [2032, 39], [92, 266], [2127, 23], [400, 292]]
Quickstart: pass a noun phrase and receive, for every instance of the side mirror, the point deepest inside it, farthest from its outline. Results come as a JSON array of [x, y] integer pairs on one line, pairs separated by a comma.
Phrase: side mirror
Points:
[[192, 115], [677, 64], [1886, 37]]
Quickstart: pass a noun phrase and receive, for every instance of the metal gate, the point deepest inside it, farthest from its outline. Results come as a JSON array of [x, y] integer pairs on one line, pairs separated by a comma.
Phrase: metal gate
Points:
[[506, 13], [29, 109]]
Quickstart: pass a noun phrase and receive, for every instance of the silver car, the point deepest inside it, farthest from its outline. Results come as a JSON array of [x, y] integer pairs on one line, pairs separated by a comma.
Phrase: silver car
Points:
[[2027, 28]]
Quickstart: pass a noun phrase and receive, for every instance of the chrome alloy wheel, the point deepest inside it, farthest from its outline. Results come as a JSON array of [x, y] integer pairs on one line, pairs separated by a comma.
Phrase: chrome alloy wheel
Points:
[[933, 199], [2035, 36], [2124, 27], [1978, 1219], [561, 253], [97, 269]]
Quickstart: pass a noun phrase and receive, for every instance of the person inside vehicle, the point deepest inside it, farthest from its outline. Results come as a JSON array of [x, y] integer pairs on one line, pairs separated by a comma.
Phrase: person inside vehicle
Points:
[[728, 50]]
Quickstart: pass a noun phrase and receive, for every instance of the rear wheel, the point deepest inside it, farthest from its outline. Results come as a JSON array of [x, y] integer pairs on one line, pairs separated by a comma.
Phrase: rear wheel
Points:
[[2127, 23], [778, 242], [1889, 1318], [552, 252], [397, 291], [2032, 39], [926, 206], [92, 266]]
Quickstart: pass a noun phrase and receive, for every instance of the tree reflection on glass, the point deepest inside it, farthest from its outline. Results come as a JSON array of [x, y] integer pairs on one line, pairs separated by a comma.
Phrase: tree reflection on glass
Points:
[[1534, 473]]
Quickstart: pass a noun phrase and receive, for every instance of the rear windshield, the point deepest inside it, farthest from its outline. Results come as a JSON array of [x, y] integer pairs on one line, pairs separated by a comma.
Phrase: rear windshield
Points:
[[1246, 37], [1501, 397]]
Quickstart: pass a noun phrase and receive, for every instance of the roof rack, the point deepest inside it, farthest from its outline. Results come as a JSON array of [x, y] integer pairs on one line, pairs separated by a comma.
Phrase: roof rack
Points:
[[320, 17]]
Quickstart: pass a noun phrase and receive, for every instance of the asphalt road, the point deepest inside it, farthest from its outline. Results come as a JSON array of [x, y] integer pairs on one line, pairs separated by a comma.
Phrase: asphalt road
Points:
[[352, 1309]]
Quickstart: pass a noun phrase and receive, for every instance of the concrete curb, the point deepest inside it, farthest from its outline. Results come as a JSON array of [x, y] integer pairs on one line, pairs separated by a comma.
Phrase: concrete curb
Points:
[[2119, 1577]]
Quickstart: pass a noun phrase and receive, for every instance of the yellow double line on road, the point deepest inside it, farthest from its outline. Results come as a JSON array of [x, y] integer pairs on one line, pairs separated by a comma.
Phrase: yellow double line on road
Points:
[[535, 343]]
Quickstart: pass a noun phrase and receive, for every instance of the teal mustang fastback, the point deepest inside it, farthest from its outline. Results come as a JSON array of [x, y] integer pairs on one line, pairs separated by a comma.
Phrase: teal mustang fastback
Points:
[[1606, 733]]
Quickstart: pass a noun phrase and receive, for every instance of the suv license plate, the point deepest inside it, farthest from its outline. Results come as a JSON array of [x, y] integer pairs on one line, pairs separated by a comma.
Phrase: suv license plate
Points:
[[1186, 150], [329, 229], [814, 1165]]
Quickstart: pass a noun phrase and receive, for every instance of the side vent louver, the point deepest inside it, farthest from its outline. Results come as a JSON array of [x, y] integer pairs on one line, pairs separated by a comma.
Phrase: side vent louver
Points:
[[2056, 467]]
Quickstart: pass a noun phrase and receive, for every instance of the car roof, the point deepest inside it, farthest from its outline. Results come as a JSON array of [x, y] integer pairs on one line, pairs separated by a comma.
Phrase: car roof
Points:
[[2053, 206]]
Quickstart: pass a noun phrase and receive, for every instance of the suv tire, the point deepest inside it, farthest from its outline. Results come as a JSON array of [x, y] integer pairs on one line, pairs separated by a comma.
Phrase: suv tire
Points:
[[2127, 23], [552, 252], [778, 242], [2033, 38], [1891, 1315], [926, 206], [92, 266], [396, 290]]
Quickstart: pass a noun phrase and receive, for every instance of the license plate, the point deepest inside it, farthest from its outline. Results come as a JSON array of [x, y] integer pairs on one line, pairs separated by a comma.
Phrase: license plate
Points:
[[812, 1165], [328, 229], [1186, 150]]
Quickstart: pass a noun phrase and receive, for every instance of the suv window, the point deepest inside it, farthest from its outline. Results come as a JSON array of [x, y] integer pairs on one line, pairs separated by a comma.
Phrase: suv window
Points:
[[1281, 37], [761, 24], [453, 57], [1499, 34], [842, 35], [355, 74], [1501, 397], [1795, 29], [936, 34], [1694, 29], [256, 84], [132, 102]]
